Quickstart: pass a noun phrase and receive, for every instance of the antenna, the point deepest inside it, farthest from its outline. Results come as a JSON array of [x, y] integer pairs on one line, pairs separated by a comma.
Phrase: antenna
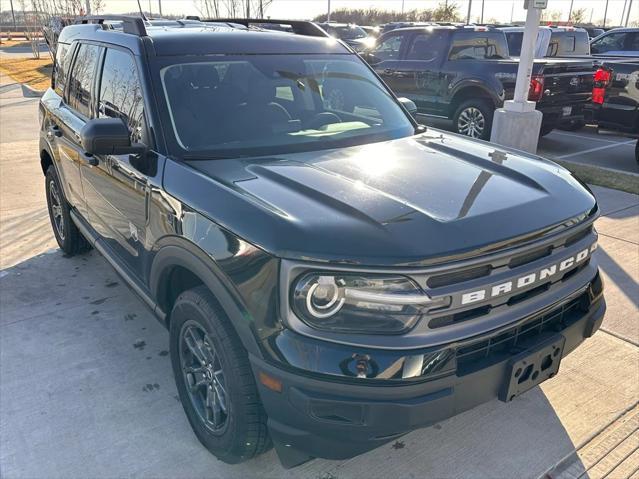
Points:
[[141, 12]]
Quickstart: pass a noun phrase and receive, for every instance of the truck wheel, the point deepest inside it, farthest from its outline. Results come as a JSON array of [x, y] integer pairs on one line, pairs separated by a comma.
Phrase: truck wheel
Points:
[[214, 379], [69, 238], [545, 130], [474, 118]]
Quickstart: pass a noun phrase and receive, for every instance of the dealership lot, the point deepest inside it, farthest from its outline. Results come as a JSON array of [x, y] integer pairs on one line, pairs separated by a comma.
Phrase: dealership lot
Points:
[[86, 387]]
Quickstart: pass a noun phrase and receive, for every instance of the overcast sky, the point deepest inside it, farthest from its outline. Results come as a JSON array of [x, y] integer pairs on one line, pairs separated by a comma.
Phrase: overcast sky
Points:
[[498, 9]]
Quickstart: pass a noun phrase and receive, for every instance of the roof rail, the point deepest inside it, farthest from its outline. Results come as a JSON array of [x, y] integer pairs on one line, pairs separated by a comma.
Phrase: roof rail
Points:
[[299, 27], [130, 24]]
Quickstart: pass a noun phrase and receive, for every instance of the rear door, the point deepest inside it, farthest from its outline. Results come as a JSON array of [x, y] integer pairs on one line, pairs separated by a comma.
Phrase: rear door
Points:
[[116, 188], [71, 116]]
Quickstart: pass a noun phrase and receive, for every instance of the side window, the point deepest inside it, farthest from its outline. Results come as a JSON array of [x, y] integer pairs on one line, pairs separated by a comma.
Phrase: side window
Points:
[[632, 42], [389, 48], [121, 93], [427, 47], [62, 63], [469, 46], [609, 43], [82, 76]]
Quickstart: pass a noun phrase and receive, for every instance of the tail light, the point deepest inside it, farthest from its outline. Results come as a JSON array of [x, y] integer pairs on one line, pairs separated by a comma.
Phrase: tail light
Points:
[[601, 80], [536, 90]]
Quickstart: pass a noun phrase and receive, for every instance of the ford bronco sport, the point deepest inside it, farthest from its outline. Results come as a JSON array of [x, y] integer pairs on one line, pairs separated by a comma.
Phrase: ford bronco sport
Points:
[[331, 279]]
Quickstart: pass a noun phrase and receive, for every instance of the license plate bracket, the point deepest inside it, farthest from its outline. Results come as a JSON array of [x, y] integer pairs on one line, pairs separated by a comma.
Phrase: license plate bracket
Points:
[[566, 111], [531, 367]]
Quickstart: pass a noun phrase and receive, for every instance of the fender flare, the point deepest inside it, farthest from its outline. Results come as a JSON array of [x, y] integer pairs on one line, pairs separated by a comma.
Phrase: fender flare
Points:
[[474, 83], [176, 251]]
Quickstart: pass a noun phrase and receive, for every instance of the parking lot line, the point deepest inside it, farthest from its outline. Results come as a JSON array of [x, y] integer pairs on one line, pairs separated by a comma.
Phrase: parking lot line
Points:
[[583, 137], [598, 148]]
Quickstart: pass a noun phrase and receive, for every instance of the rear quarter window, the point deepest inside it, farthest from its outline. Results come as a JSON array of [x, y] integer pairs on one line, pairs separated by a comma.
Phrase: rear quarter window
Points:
[[473, 46], [63, 56]]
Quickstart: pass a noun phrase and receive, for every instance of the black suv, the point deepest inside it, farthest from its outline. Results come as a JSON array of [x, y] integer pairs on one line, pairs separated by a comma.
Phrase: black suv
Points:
[[330, 279]]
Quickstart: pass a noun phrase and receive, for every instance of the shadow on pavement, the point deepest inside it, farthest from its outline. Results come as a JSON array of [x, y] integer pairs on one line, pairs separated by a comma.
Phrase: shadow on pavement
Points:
[[87, 390]]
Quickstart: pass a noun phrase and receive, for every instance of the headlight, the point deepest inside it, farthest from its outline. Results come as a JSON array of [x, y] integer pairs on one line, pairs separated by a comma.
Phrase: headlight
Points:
[[363, 304]]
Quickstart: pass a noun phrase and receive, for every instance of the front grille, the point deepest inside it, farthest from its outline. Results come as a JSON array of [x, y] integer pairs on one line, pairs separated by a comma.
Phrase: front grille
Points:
[[512, 341]]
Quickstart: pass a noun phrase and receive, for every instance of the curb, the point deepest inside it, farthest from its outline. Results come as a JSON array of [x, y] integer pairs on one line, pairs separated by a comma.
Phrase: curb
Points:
[[30, 92], [602, 176]]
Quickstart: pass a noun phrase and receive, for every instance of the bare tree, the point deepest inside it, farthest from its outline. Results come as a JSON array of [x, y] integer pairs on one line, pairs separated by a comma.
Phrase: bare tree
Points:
[[578, 16], [232, 8]]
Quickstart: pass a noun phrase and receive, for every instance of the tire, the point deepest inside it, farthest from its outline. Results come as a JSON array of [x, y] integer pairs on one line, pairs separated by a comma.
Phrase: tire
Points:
[[66, 233], [474, 118], [214, 379], [572, 125], [545, 130]]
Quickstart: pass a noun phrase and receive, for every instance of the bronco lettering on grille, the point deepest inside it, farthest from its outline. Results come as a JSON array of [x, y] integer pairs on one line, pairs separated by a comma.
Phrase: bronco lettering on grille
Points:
[[531, 279]]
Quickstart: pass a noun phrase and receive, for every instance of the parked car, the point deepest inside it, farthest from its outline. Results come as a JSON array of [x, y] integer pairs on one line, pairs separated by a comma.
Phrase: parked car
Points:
[[621, 42], [551, 42], [593, 32], [615, 98], [464, 74], [330, 279], [351, 34]]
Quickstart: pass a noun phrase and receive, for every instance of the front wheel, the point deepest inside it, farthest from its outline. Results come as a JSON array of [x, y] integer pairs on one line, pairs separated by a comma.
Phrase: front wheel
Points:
[[474, 118], [214, 379]]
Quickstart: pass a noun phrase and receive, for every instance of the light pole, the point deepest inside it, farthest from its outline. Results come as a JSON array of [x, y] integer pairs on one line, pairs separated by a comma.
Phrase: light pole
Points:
[[517, 124], [88, 7], [570, 11], [623, 12], [160, 6], [470, 6], [328, 15], [605, 14], [482, 11], [628, 14]]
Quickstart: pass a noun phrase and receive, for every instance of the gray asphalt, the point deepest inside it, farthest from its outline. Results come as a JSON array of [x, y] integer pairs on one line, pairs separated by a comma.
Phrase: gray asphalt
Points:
[[86, 388]]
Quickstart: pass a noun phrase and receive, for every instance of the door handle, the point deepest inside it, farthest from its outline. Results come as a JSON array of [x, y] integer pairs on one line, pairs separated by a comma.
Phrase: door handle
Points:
[[388, 71], [90, 159]]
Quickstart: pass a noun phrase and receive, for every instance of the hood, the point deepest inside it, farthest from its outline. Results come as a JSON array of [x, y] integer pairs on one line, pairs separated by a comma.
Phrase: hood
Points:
[[412, 201]]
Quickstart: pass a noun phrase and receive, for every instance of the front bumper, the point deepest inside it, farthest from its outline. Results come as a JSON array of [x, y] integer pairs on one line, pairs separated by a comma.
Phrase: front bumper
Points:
[[316, 415]]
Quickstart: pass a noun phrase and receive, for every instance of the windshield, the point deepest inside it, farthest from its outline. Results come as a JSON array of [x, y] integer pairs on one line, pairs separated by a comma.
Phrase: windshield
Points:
[[514, 43], [350, 32], [269, 104]]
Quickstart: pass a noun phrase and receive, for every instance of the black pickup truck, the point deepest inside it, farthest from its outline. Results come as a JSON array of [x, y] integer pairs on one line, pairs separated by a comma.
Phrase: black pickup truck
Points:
[[465, 73], [615, 97]]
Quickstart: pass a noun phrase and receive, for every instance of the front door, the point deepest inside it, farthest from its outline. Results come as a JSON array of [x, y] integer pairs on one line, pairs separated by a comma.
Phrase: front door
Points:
[[116, 188]]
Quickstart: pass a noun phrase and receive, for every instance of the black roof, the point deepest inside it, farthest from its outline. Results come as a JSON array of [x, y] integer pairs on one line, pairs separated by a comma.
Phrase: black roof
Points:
[[167, 38]]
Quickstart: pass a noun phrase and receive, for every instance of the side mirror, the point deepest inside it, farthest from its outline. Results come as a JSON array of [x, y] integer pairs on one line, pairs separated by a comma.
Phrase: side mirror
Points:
[[409, 105], [108, 136]]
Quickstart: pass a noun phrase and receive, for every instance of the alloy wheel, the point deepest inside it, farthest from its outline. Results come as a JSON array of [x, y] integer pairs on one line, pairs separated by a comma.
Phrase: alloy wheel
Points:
[[55, 200], [204, 377], [471, 122]]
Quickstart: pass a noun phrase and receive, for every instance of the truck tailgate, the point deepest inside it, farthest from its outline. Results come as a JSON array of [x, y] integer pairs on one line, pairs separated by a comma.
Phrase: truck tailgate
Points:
[[567, 82]]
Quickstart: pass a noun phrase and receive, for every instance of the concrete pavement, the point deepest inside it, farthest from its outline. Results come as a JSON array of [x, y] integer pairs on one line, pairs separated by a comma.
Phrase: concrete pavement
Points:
[[86, 388]]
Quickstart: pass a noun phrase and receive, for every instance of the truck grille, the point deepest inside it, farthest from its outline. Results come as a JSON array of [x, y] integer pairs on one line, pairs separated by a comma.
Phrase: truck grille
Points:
[[514, 340]]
